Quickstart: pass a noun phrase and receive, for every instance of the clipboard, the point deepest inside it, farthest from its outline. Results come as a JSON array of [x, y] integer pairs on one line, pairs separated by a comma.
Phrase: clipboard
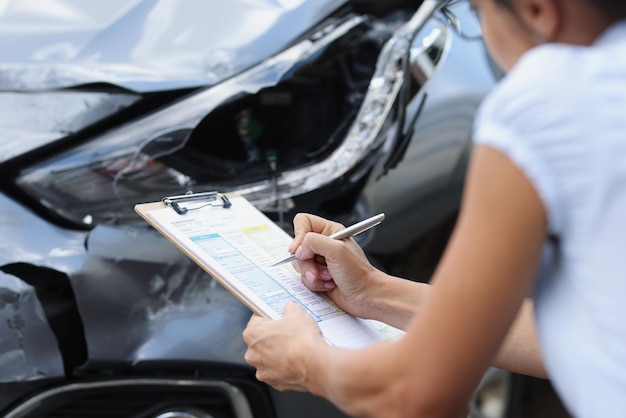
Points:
[[175, 202], [236, 244]]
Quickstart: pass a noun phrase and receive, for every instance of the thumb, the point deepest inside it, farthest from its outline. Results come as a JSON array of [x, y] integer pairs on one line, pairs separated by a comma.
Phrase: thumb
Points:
[[292, 308], [296, 314]]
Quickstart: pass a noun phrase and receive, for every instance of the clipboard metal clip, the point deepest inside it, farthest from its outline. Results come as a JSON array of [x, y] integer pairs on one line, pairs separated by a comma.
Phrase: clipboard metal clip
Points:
[[213, 199]]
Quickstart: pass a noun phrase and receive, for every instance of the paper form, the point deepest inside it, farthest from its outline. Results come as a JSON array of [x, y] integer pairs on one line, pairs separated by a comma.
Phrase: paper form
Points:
[[238, 245]]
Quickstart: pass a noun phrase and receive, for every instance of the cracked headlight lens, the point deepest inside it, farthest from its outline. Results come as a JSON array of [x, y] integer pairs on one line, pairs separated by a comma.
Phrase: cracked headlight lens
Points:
[[292, 124]]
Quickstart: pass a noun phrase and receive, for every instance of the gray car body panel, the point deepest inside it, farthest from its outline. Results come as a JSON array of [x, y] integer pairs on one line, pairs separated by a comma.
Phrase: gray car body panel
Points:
[[46, 49], [131, 285], [27, 345], [167, 44], [425, 187]]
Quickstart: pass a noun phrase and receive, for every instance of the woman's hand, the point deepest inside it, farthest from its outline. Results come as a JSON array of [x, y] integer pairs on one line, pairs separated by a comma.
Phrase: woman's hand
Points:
[[278, 348], [338, 267]]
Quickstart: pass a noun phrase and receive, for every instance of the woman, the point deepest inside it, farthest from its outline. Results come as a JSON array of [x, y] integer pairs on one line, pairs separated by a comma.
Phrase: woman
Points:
[[542, 214]]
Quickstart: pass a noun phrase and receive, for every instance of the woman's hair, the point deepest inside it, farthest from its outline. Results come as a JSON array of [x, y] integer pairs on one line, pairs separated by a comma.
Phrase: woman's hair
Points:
[[615, 8]]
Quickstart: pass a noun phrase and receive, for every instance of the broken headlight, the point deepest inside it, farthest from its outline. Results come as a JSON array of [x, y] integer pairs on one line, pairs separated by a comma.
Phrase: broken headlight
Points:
[[292, 124]]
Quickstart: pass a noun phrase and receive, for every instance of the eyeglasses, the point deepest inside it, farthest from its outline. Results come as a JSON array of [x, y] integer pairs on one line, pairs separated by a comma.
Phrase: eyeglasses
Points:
[[463, 19]]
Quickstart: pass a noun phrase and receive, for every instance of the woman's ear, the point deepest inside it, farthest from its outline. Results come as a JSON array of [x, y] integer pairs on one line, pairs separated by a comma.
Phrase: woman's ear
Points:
[[542, 17]]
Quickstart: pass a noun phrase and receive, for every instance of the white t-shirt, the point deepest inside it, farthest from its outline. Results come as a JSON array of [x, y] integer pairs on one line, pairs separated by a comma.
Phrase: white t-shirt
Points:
[[560, 116]]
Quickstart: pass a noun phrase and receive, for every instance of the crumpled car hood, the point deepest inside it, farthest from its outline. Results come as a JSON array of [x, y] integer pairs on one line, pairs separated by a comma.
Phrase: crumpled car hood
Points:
[[144, 45]]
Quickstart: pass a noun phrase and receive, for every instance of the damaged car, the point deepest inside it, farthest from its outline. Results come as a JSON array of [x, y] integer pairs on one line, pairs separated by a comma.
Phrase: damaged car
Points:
[[342, 108]]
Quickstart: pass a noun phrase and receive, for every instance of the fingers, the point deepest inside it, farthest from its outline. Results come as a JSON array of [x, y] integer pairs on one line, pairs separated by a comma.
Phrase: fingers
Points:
[[316, 277], [304, 223], [253, 323], [268, 339], [292, 308], [322, 245], [257, 324], [313, 271]]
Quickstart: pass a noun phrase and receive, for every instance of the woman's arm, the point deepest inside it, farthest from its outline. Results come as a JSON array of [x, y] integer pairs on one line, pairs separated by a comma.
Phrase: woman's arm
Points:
[[477, 290], [520, 351], [397, 301]]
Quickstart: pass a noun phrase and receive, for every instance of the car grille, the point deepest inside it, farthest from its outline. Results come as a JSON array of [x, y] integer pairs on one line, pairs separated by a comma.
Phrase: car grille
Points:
[[144, 398]]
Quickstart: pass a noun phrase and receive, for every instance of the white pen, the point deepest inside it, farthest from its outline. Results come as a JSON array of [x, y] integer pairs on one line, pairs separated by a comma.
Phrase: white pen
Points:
[[350, 231]]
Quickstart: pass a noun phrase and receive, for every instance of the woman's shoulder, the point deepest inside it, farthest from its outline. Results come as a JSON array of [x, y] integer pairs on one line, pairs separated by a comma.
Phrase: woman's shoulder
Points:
[[554, 72], [533, 91], [552, 82], [542, 72]]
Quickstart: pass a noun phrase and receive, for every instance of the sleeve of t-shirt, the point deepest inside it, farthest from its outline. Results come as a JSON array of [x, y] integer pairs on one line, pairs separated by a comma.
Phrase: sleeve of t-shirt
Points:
[[517, 120]]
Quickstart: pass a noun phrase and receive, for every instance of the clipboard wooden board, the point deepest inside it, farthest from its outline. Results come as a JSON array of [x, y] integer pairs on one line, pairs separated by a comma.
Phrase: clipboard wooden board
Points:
[[237, 245], [143, 209]]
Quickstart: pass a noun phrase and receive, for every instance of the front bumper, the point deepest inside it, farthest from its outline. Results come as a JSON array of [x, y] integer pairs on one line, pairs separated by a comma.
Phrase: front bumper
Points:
[[88, 313]]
